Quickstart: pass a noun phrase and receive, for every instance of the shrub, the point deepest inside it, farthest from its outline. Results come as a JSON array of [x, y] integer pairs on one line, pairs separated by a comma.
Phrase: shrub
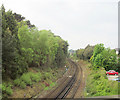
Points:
[[96, 76], [3, 87], [6, 88], [26, 79], [23, 85], [99, 85], [35, 77], [47, 75], [10, 85], [17, 82], [9, 91]]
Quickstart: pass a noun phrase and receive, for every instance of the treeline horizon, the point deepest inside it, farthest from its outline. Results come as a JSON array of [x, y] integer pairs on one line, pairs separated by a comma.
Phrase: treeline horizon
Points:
[[99, 56]]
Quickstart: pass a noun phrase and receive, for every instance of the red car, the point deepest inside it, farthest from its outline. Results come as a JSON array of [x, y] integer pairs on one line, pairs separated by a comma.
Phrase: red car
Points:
[[111, 72]]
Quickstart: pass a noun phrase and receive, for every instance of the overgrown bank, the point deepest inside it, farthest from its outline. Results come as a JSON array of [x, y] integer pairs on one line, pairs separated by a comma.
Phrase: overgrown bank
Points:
[[25, 47], [101, 59], [32, 83], [97, 84]]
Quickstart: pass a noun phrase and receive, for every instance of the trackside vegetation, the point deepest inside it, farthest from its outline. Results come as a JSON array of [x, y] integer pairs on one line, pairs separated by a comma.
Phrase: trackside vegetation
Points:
[[25, 47], [86, 53], [102, 60], [104, 57], [97, 84], [46, 80], [99, 56]]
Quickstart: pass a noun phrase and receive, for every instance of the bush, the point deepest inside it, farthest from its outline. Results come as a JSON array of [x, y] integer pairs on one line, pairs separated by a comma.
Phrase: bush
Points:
[[6, 89], [3, 87], [9, 91], [47, 75], [99, 85], [17, 82], [23, 85], [35, 77], [96, 76], [26, 79]]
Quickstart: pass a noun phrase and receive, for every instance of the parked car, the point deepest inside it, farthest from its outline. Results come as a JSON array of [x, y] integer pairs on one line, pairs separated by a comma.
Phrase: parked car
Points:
[[111, 72]]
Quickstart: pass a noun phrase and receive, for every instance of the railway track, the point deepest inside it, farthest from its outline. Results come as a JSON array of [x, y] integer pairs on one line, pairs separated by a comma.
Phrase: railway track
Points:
[[77, 83], [68, 83]]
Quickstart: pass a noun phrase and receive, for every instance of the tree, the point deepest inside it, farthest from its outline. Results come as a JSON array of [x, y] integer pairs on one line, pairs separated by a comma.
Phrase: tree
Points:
[[88, 52], [9, 42], [79, 53], [18, 17], [24, 46], [104, 57]]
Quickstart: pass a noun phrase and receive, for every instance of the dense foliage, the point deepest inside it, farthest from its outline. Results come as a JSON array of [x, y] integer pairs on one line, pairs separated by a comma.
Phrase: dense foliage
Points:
[[102, 60], [99, 85], [118, 65], [104, 57], [85, 54], [25, 46], [30, 79]]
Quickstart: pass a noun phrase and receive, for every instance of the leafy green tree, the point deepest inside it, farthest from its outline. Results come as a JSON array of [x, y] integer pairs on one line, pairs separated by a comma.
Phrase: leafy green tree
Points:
[[25, 46], [11, 22], [98, 61], [4, 24], [104, 57], [61, 55], [9, 42], [79, 53], [88, 52], [118, 65], [18, 17]]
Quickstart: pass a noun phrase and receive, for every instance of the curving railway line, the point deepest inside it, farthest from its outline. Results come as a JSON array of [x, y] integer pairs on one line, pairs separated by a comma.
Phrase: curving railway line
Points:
[[68, 84]]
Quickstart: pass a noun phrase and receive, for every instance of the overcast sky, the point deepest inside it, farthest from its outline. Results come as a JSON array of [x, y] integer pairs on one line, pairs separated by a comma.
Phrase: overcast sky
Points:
[[80, 22]]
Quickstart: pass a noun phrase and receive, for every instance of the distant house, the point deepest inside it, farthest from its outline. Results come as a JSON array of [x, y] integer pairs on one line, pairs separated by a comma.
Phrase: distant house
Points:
[[117, 50]]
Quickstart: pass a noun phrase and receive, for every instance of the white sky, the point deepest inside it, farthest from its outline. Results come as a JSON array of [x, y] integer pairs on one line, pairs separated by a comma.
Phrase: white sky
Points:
[[80, 22]]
